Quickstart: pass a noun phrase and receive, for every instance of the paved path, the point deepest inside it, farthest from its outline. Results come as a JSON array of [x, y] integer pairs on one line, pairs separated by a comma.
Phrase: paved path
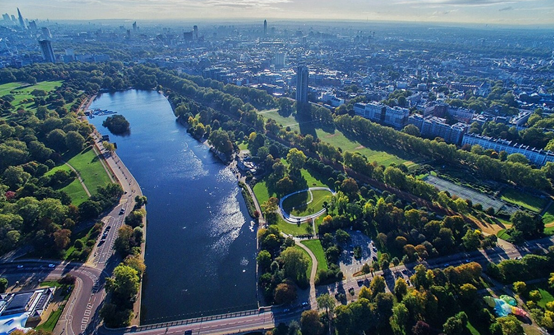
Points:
[[313, 272], [80, 179]]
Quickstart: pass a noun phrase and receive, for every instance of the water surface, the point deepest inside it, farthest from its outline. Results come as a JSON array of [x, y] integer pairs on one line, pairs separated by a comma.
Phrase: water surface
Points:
[[200, 250]]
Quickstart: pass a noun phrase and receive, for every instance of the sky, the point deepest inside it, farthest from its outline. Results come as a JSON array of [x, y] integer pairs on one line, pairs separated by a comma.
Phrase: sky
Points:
[[504, 12]]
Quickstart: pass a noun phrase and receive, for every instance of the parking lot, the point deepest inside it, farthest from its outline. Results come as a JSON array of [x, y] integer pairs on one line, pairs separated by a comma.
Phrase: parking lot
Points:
[[347, 262]]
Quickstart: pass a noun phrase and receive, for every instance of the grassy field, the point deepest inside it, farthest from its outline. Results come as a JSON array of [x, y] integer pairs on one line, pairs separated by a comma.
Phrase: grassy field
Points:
[[317, 250], [308, 272], [546, 296], [91, 170], [548, 217], [524, 200], [281, 120], [295, 204], [52, 320], [75, 190], [22, 94], [291, 228], [338, 139], [378, 155]]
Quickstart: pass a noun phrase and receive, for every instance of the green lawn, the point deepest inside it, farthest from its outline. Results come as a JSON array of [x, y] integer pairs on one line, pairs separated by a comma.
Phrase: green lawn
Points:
[[281, 120], [261, 192], [524, 200], [291, 228], [317, 250], [548, 217], [75, 190], [503, 235], [296, 204], [338, 139], [91, 170], [52, 320], [308, 272], [25, 93], [546, 296]]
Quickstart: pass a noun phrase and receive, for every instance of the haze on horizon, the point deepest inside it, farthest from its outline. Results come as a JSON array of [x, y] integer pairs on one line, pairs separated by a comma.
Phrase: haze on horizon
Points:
[[502, 12]]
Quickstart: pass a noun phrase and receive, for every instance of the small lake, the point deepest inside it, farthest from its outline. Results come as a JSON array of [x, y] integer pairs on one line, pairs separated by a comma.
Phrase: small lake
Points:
[[200, 248]]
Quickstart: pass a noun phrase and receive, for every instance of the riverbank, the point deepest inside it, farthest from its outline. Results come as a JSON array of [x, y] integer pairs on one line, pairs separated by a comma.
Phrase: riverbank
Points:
[[115, 167]]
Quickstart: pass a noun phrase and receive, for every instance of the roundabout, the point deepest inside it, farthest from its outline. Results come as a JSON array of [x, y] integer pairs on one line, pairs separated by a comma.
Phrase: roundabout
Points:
[[294, 213]]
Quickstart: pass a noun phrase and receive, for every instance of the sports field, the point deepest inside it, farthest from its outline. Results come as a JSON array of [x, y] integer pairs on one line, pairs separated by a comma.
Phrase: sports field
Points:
[[464, 192], [525, 200]]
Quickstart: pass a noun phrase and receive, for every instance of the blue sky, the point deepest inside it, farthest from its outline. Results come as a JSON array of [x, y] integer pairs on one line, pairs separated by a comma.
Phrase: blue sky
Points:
[[514, 12]]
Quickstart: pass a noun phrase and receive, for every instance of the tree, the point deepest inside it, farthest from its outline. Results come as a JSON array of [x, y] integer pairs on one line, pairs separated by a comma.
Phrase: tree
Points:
[[296, 159], [520, 287], [350, 188], [62, 238], [527, 224], [400, 288], [3, 285], [295, 263], [399, 319], [123, 285], [264, 260], [285, 293], [377, 285], [510, 325], [136, 262], [15, 177], [310, 324], [421, 328], [74, 141], [117, 124], [327, 302]]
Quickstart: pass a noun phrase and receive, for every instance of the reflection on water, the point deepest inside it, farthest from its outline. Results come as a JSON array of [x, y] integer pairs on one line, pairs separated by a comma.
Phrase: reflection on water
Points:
[[200, 252]]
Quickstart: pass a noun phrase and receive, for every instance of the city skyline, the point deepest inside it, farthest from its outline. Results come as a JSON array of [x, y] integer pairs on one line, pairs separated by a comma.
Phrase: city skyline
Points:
[[502, 12]]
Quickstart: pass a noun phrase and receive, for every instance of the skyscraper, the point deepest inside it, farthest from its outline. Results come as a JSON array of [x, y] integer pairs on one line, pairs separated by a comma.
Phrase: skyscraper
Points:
[[21, 21], [195, 29], [302, 74], [47, 51], [135, 26], [265, 27]]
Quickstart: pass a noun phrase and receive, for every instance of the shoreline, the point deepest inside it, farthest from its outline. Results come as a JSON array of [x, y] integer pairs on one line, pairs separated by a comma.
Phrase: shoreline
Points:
[[130, 186]]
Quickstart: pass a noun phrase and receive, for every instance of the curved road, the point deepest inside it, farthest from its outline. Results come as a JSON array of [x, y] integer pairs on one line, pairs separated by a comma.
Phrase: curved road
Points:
[[80, 312]]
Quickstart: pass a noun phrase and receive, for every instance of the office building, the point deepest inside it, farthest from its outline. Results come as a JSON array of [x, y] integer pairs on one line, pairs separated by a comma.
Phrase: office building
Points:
[[47, 51], [302, 77], [195, 30], [135, 26], [46, 33], [21, 21], [265, 27]]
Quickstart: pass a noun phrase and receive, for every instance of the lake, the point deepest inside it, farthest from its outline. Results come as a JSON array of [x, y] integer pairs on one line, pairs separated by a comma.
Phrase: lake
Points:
[[200, 248]]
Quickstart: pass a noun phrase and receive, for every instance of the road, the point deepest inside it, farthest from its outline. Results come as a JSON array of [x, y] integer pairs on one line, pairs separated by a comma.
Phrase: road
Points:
[[80, 313]]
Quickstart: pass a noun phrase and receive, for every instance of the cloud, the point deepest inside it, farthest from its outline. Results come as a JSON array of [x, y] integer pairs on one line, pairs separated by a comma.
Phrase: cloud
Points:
[[472, 3], [245, 3], [506, 8]]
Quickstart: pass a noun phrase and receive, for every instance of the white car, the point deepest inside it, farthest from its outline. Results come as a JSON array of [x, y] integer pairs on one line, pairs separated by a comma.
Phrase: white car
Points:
[[51, 265]]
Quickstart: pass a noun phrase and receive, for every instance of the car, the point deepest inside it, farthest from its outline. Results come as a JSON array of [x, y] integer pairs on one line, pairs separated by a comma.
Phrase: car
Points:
[[51, 265], [305, 303], [122, 211], [286, 310], [20, 266], [360, 282], [518, 257], [188, 332], [446, 265], [108, 228]]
